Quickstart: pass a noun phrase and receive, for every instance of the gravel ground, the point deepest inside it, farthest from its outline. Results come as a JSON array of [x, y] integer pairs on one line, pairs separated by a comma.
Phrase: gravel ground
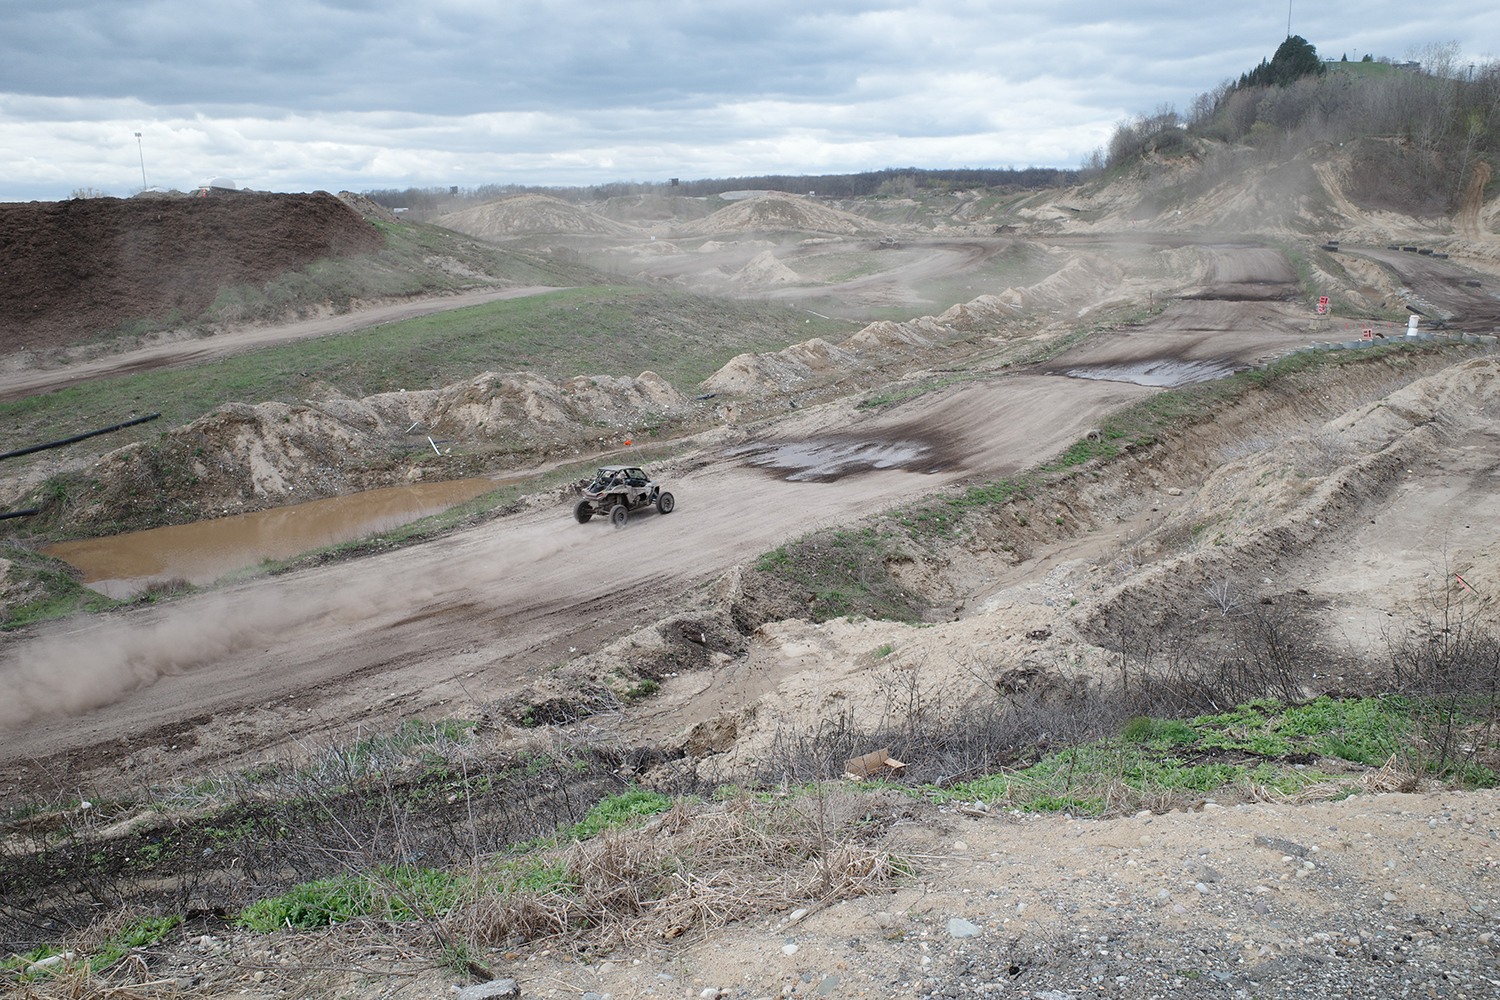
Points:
[[1378, 895]]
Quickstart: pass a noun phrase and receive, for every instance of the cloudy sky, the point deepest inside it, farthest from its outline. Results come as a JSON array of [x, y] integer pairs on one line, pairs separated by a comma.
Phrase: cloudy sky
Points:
[[296, 95]]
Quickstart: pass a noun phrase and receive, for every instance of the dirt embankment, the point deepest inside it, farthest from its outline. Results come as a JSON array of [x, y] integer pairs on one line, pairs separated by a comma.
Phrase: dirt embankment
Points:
[[74, 269], [1321, 498], [241, 457]]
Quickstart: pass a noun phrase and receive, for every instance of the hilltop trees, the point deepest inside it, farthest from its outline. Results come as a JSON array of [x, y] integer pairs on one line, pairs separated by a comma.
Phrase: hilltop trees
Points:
[[1295, 58], [1437, 119]]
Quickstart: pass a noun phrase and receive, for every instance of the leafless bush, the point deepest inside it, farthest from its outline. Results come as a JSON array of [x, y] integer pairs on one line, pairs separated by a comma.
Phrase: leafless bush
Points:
[[1241, 648], [1242, 447], [423, 797], [1447, 664], [1324, 452], [693, 869]]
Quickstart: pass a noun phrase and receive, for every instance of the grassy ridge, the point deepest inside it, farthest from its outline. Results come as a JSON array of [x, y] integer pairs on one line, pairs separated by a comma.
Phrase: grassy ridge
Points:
[[605, 330]]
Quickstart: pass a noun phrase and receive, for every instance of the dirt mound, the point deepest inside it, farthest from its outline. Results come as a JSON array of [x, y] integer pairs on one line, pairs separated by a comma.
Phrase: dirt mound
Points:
[[778, 213], [77, 268], [1348, 496], [1371, 190], [765, 271], [1080, 284], [530, 213], [368, 207], [245, 457], [749, 374]]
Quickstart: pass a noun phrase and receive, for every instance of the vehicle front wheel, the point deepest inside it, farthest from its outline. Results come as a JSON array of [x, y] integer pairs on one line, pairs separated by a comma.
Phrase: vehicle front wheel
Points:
[[665, 503], [582, 511], [618, 515]]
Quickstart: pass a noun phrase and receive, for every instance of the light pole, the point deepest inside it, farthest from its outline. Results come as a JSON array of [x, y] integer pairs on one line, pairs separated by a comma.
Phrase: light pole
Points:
[[143, 160]]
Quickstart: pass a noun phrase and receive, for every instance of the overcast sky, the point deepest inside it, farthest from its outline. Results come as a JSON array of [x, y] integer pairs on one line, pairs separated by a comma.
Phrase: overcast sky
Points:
[[299, 95]]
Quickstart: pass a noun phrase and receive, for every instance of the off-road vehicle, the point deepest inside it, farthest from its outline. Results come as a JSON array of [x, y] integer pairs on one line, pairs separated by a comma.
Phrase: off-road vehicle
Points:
[[616, 490]]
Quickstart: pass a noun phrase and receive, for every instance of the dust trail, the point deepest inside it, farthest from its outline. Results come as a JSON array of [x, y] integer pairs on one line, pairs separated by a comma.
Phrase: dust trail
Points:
[[84, 669]]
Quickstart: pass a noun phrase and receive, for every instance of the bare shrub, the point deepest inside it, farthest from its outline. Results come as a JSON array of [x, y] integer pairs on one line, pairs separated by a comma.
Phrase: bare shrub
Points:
[[691, 870], [1324, 452], [1447, 666]]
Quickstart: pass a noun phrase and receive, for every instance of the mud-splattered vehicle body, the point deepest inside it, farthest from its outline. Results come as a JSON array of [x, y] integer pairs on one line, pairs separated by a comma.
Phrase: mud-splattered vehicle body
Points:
[[615, 491]]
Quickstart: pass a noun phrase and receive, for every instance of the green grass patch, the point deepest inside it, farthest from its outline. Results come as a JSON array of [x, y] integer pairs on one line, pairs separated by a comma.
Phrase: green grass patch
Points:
[[581, 331], [619, 810], [1114, 776], [141, 932], [845, 573], [404, 893], [1156, 761], [410, 892], [1360, 730], [643, 689], [44, 588], [137, 932]]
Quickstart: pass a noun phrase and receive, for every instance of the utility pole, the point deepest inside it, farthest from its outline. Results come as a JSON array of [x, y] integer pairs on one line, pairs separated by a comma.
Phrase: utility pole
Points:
[[143, 160], [1289, 18]]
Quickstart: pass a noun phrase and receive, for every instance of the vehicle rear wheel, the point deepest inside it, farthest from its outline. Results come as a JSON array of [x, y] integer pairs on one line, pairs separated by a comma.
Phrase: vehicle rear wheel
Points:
[[582, 511], [665, 503], [618, 515]]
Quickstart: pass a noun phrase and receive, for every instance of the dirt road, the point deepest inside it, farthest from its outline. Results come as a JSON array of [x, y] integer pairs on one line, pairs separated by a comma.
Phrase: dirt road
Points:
[[23, 382]]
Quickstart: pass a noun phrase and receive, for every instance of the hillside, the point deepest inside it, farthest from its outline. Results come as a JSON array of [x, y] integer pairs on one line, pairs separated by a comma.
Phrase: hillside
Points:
[[76, 269]]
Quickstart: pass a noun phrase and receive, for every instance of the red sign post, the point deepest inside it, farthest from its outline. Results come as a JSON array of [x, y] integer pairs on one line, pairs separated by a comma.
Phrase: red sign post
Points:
[[1322, 305]]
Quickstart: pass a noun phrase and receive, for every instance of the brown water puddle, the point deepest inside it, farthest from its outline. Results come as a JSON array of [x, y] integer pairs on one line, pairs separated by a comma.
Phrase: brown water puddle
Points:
[[122, 566]]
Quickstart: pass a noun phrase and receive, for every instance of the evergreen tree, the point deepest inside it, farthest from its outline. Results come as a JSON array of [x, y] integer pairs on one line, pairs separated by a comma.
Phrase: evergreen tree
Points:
[[1295, 58]]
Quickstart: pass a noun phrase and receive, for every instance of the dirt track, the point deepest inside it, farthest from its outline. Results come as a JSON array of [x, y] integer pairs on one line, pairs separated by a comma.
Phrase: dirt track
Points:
[[471, 616], [1442, 288], [24, 382]]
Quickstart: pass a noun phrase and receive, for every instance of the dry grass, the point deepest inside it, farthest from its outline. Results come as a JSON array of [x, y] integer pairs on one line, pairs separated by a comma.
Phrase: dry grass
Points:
[[696, 868], [126, 980]]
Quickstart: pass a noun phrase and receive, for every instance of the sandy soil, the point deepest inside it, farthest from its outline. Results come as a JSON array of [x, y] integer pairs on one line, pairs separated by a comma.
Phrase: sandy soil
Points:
[[19, 380]]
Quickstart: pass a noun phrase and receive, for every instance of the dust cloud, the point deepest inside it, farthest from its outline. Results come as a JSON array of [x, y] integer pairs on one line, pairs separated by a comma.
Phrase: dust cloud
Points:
[[81, 670]]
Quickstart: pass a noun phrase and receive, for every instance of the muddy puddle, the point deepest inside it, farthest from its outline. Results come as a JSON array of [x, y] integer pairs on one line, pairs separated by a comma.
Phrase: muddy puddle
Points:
[[122, 566], [1162, 372], [825, 460]]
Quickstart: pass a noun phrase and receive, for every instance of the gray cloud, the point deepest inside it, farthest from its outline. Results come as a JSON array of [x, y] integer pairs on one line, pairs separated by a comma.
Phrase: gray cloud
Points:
[[383, 93]]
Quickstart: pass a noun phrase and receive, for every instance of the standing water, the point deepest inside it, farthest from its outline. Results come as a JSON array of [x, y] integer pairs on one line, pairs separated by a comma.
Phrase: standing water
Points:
[[122, 566]]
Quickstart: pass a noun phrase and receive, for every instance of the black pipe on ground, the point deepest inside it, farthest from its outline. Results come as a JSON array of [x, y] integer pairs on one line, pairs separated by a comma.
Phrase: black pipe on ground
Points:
[[77, 437]]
